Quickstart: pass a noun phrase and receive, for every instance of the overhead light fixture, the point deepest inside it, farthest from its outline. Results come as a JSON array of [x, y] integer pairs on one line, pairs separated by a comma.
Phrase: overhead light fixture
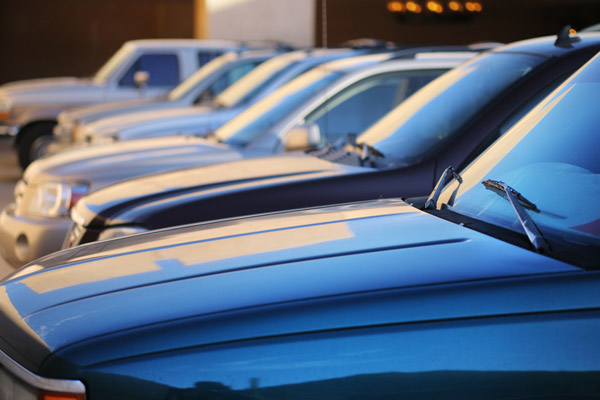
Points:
[[435, 7], [413, 7]]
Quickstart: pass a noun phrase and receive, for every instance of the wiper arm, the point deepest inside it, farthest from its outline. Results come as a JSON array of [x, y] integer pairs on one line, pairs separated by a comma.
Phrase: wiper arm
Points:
[[519, 203], [368, 152], [435, 194], [339, 144]]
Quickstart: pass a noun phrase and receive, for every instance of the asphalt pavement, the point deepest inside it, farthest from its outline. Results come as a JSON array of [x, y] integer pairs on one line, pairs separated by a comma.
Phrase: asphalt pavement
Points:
[[10, 173]]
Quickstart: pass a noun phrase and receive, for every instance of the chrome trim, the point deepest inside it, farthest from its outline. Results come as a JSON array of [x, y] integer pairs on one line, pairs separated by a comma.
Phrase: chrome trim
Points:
[[38, 382], [8, 130]]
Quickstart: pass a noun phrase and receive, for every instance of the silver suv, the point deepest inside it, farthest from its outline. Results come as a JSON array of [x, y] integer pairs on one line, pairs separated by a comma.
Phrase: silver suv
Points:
[[141, 68]]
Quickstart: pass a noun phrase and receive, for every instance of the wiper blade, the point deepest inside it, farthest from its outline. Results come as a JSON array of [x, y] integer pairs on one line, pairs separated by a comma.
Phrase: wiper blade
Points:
[[501, 187], [435, 194], [519, 203]]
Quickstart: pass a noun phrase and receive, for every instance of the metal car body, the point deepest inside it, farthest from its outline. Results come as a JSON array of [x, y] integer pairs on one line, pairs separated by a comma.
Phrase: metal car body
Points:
[[29, 229], [448, 122], [200, 87], [201, 119], [28, 109], [374, 299], [253, 87]]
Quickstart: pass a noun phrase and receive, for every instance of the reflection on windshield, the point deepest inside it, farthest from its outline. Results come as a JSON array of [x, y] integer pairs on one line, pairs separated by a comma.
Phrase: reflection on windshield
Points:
[[272, 109], [117, 59], [432, 115], [233, 94], [551, 157], [208, 69]]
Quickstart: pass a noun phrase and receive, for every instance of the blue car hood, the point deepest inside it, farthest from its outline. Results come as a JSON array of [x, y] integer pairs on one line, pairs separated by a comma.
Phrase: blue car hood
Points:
[[78, 295]]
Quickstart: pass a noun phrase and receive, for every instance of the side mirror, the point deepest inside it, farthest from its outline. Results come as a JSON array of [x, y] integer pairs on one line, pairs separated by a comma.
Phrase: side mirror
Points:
[[141, 79], [303, 137]]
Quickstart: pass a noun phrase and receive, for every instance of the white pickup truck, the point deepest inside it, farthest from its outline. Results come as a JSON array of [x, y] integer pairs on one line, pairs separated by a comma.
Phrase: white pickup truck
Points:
[[140, 68]]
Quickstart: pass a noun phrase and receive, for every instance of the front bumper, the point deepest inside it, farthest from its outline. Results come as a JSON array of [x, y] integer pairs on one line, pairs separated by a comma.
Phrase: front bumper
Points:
[[26, 238]]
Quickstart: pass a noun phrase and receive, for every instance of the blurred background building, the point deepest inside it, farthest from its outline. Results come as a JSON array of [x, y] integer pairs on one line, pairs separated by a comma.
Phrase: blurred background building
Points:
[[43, 38]]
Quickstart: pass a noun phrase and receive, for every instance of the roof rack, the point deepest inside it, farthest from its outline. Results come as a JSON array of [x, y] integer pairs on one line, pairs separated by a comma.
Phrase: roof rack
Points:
[[265, 44], [368, 43]]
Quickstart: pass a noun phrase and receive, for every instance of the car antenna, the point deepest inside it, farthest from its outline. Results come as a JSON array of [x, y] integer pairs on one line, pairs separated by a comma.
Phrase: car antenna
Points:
[[564, 38]]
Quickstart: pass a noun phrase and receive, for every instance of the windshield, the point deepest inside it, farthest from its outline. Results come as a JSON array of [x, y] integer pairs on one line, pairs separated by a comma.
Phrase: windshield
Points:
[[113, 63], [256, 78], [431, 116], [207, 70], [274, 108], [551, 158]]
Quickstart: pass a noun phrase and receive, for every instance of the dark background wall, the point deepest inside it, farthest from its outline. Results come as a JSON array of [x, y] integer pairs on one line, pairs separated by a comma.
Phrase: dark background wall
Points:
[[500, 20], [40, 38]]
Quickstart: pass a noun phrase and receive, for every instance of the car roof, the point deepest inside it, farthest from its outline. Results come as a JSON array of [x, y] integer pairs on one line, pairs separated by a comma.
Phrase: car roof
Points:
[[191, 43], [546, 46]]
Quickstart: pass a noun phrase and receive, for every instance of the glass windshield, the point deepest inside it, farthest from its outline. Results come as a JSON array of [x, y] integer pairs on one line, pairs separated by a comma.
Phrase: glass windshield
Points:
[[431, 116], [256, 78], [275, 107], [207, 70], [551, 158], [113, 63]]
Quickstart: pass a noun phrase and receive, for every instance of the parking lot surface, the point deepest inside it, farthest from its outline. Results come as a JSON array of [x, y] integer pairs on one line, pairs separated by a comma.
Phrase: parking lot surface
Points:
[[9, 175]]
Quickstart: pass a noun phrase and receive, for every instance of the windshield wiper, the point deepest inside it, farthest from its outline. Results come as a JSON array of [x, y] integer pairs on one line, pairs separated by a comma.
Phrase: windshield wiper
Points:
[[338, 144], [519, 203], [367, 152], [435, 194]]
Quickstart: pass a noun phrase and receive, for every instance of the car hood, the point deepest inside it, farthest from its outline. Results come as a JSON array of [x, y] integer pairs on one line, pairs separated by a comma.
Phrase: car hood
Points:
[[47, 90], [87, 114], [208, 270], [121, 122], [212, 179], [103, 165]]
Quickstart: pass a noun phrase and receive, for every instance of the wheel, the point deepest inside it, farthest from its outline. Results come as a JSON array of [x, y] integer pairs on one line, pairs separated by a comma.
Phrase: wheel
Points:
[[34, 141]]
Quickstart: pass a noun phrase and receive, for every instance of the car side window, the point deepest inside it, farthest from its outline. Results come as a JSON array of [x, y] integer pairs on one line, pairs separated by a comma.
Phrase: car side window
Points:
[[163, 70], [359, 106], [206, 56], [228, 78]]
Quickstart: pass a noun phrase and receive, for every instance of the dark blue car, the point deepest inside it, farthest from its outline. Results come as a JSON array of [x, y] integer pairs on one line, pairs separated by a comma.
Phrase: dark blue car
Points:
[[448, 122], [491, 290]]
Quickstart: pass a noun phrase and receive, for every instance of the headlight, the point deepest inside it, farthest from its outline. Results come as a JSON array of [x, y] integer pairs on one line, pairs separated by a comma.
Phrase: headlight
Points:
[[118, 231], [5, 107], [53, 199], [64, 130]]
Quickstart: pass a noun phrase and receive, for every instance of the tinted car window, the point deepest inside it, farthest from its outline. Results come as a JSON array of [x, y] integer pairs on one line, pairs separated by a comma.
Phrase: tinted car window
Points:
[[227, 80], [421, 125], [550, 157], [206, 56], [261, 116], [163, 70], [359, 106]]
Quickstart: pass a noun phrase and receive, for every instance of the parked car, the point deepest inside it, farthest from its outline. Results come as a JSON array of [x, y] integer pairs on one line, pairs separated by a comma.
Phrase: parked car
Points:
[[253, 87], [200, 88], [32, 227], [141, 68], [201, 119], [448, 122], [372, 299]]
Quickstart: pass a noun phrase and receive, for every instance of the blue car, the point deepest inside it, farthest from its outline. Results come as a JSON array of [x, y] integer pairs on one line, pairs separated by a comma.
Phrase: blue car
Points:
[[490, 289]]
